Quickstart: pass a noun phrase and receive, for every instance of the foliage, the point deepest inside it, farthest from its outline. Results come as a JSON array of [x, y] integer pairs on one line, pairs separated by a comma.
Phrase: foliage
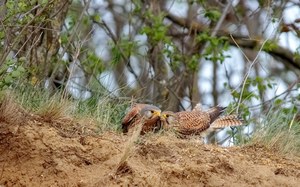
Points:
[[92, 65], [155, 30], [212, 14], [10, 74], [123, 50], [41, 40], [24, 31], [217, 46], [270, 45]]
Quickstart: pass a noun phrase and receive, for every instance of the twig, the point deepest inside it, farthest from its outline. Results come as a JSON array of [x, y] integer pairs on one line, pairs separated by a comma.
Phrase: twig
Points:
[[250, 67], [219, 23], [285, 54], [172, 92], [71, 37], [275, 97], [20, 34], [113, 37], [213, 34]]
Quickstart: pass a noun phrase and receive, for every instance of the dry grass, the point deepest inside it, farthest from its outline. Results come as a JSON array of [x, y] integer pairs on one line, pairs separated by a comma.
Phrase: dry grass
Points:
[[56, 109], [279, 131], [10, 111], [101, 109], [129, 149], [109, 113], [283, 142]]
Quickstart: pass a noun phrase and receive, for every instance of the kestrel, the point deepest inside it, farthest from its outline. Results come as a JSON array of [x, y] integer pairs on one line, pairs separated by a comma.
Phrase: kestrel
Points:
[[197, 121], [149, 115]]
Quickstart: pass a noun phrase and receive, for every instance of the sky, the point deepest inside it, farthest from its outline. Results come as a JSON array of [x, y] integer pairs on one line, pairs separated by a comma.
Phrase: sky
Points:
[[233, 65], [179, 8]]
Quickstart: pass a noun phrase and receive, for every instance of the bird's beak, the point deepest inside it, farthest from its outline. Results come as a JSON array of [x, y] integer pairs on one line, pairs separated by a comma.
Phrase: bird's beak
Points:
[[163, 119], [156, 113], [164, 116]]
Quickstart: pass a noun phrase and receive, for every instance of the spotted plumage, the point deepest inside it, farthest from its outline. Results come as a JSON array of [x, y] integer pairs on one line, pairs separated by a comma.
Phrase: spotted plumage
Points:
[[148, 115], [197, 121]]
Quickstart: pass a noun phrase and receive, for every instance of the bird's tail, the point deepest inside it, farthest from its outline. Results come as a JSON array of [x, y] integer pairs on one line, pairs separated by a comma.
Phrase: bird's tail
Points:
[[226, 121]]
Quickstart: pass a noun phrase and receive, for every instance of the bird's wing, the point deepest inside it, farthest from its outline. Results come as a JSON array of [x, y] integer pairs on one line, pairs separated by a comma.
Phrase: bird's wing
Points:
[[131, 116], [194, 119], [193, 122]]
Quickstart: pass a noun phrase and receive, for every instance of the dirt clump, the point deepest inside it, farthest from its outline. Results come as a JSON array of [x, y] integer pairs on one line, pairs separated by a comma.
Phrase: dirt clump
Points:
[[46, 153]]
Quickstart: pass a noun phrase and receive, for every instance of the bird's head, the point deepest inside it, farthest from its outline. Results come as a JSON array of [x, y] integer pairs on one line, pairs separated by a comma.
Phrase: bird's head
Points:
[[169, 119], [150, 112]]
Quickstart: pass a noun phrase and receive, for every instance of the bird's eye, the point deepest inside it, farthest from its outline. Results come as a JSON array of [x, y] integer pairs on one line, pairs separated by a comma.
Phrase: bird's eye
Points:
[[152, 111]]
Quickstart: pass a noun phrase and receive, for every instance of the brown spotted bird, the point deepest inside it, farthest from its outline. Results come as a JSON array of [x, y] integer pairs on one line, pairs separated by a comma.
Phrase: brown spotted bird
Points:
[[148, 115], [197, 122]]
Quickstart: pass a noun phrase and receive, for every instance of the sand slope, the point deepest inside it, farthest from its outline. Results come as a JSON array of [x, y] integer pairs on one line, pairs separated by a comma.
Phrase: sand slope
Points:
[[40, 152]]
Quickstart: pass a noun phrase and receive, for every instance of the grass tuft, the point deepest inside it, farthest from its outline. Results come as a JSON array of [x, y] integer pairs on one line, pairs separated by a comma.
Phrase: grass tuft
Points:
[[56, 109], [10, 111], [100, 109], [279, 131]]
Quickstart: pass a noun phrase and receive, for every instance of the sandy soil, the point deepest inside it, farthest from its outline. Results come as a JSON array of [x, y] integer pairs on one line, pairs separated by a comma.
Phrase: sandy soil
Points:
[[40, 152]]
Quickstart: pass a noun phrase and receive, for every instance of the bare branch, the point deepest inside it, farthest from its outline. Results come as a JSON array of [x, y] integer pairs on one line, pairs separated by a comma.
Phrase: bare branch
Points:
[[112, 36], [282, 53]]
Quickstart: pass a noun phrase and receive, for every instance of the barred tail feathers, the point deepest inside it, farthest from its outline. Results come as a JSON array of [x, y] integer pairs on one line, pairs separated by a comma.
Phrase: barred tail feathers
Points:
[[226, 121]]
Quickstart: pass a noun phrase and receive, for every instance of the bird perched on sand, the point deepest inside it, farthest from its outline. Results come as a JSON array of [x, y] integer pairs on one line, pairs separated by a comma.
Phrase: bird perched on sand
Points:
[[148, 115], [196, 122]]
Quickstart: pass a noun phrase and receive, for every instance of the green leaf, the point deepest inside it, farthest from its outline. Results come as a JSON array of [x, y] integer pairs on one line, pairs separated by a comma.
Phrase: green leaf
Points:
[[22, 59], [278, 102], [8, 79], [44, 2], [270, 46], [15, 74], [213, 15], [21, 69], [97, 18]]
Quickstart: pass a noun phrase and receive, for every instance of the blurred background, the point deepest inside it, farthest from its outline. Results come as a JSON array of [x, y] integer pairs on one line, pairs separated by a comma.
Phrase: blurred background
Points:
[[244, 54]]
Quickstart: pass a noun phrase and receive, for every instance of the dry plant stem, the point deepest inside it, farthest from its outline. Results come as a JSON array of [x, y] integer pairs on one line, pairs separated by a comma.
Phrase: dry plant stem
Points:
[[250, 67], [292, 122], [286, 93], [3, 57], [173, 92], [129, 145], [219, 24], [113, 37], [213, 34], [71, 36], [278, 52]]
